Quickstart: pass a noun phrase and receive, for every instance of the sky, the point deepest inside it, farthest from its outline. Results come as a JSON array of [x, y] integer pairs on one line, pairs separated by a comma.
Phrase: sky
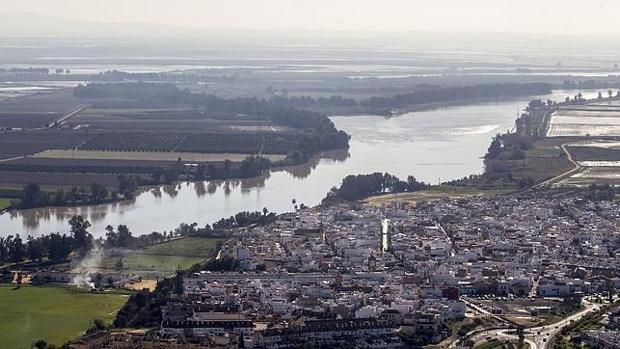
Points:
[[500, 16]]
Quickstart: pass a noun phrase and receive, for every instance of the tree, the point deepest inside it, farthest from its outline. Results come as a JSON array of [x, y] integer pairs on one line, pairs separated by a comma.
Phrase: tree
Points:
[[97, 325], [125, 238], [98, 192], [495, 148], [127, 185], [119, 264], [35, 249], [178, 283], [58, 246], [17, 249], [227, 167], [31, 195], [40, 344], [79, 230]]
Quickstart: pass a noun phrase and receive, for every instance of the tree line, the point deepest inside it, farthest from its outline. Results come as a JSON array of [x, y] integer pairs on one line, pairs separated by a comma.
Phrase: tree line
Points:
[[357, 187], [54, 247], [32, 196], [444, 94]]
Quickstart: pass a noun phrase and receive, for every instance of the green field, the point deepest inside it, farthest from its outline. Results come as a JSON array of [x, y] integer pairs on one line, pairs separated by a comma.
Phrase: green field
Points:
[[434, 193], [165, 257], [146, 262], [188, 247], [4, 203], [54, 314]]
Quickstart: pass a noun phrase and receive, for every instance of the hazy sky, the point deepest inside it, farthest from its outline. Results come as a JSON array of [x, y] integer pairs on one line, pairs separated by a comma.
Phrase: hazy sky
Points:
[[524, 16]]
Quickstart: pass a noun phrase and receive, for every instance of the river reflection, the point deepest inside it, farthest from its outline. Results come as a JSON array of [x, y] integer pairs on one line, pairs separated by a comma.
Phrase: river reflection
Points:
[[432, 145]]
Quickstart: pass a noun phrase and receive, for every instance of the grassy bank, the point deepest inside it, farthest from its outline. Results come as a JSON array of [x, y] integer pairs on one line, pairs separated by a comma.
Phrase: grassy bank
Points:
[[54, 314]]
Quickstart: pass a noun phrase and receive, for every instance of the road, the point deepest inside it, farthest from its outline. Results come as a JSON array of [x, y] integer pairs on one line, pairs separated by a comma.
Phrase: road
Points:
[[577, 168], [536, 337], [548, 332]]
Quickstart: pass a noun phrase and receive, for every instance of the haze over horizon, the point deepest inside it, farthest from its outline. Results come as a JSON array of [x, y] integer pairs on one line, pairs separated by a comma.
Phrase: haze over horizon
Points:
[[443, 16]]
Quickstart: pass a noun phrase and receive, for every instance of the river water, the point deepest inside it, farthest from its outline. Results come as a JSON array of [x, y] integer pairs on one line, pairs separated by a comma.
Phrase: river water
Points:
[[436, 145]]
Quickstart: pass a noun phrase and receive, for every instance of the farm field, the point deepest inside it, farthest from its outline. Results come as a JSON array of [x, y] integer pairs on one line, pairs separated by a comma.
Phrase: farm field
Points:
[[146, 264], [54, 314], [15, 144], [173, 120], [590, 134], [540, 168], [16, 179], [228, 142], [37, 110], [146, 156], [63, 162], [163, 258], [589, 175], [585, 121], [434, 193], [4, 203], [191, 247], [584, 153]]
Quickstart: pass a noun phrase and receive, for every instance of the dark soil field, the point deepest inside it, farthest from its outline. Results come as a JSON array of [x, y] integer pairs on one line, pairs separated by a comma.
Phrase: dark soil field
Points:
[[10, 179], [89, 162], [163, 120], [37, 110], [13, 144], [594, 154], [540, 168]]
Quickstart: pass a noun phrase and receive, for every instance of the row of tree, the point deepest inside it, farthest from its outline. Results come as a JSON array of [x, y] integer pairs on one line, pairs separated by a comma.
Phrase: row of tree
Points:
[[54, 247], [33, 196]]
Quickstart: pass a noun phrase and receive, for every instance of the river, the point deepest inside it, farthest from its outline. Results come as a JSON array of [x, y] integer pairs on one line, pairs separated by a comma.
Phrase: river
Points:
[[436, 145]]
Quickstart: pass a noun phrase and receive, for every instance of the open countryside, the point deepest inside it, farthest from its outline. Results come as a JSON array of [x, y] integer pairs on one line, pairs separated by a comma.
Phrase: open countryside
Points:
[[52, 313]]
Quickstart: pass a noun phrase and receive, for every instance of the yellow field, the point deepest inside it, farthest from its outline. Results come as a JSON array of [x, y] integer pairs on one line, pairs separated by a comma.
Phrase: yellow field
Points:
[[434, 193], [147, 156]]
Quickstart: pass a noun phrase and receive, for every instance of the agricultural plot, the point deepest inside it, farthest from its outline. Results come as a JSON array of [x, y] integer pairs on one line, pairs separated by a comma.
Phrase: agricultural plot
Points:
[[4, 203], [540, 168], [8, 91], [586, 121], [589, 175], [146, 156], [134, 141], [172, 120], [242, 143], [599, 158], [54, 314], [37, 110], [163, 258], [593, 154], [15, 144], [16, 179]]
